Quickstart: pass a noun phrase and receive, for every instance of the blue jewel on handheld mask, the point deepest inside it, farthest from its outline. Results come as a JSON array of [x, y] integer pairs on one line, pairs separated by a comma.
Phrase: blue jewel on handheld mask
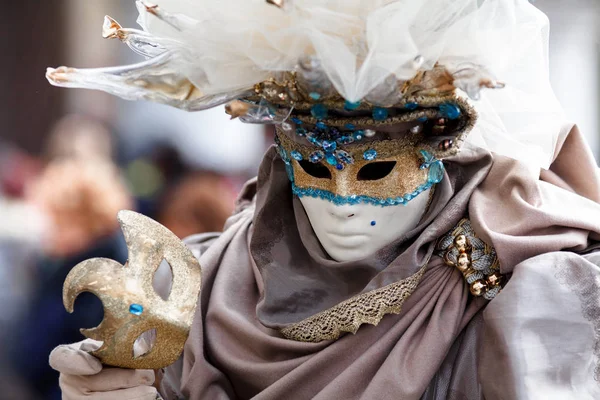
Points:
[[314, 95], [321, 125], [373, 223], [411, 106], [136, 309]]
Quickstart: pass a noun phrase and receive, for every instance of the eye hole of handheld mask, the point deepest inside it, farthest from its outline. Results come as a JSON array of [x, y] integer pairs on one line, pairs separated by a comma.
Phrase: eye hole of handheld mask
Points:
[[316, 170], [376, 170]]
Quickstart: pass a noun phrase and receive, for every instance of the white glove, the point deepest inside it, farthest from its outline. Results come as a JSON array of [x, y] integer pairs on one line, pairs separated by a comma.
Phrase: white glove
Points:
[[82, 376]]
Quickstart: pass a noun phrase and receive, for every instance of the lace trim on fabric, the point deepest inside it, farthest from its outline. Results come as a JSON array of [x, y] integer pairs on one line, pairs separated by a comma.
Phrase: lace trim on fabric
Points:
[[348, 316], [584, 284]]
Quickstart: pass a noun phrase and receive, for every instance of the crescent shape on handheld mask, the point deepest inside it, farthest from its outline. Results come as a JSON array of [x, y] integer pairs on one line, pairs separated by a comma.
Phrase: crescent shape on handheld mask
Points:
[[131, 304]]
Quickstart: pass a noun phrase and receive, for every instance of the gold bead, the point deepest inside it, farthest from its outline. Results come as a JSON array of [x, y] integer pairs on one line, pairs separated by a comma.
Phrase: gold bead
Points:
[[461, 242], [494, 279], [478, 287], [463, 262]]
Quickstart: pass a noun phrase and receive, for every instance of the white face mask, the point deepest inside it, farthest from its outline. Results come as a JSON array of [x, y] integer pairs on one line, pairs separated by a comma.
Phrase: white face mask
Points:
[[354, 232]]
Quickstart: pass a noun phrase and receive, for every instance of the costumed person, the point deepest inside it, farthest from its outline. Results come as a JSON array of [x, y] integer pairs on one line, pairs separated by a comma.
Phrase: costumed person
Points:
[[409, 236]]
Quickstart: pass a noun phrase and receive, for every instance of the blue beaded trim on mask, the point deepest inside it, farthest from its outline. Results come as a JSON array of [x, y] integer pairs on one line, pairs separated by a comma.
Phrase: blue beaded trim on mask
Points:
[[435, 175], [355, 199]]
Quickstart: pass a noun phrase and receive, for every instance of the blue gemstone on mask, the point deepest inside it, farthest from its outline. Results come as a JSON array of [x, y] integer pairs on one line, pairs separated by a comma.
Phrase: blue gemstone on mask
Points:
[[358, 135], [300, 131], [370, 155], [296, 155], [373, 223], [316, 156], [436, 172], [379, 114], [349, 106], [411, 106], [350, 127], [450, 110], [344, 156], [331, 160], [321, 125], [339, 166], [422, 119], [296, 121], [314, 95], [136, 309], [319, 111], [345, 140], [329, 145]]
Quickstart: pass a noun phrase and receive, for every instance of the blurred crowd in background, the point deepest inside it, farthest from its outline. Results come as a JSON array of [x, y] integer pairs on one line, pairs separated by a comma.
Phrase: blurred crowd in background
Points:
[[71, 159]]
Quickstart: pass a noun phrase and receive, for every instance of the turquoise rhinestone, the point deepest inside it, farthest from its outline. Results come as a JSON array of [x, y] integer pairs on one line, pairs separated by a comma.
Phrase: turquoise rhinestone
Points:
[[136, 309], [296, 121], [331, 160], [300, 131], [344, 156], [350, 127], [436, 172], [319, 111], [411, 106], [349, 106], [380, 114], [316, 156], [296, 155], [370, 155], [422, 119], [345, 140], [450, 110], [314, 95], [358, 135], [329, 146], [321, 125]]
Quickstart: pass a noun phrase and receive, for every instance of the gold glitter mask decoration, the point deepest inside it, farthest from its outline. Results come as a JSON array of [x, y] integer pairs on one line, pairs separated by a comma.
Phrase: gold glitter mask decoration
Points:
[[351, 160], [131, 305]]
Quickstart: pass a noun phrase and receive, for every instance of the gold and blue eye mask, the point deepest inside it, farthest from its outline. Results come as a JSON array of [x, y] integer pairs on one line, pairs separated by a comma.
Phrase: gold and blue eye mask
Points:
[[351, 160]]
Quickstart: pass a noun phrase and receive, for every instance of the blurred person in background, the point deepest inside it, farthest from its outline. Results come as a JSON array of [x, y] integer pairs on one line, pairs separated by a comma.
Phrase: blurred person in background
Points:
[[78, 193]]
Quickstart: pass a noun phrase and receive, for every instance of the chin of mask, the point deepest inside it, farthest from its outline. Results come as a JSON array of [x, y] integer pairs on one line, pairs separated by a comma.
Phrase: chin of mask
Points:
[[354, 232]]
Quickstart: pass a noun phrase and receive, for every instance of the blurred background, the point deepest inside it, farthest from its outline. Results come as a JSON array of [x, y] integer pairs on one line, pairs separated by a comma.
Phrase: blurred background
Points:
[[70, 159]]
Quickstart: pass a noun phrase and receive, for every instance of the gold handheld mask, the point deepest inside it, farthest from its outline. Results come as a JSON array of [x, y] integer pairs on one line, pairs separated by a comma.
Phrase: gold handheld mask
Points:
[[131, 305]]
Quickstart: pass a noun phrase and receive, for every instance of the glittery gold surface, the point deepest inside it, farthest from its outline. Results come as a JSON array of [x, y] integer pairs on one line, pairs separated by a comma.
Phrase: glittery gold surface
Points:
[[284, 90], [404, 178], [118, 287]]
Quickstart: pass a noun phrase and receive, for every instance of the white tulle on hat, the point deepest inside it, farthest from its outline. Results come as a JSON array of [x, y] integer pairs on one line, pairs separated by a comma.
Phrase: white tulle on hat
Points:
[[214, 51]]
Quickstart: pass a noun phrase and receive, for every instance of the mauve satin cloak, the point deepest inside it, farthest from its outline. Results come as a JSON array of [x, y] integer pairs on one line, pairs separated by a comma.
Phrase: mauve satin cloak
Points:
[[432, 348]]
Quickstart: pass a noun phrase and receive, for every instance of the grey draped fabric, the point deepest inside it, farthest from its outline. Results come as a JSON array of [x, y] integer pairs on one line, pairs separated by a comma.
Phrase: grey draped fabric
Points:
[[267, 270]]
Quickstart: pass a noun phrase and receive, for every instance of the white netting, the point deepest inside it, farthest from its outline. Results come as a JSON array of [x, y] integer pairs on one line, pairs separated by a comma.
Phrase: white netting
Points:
[[226, 45]]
